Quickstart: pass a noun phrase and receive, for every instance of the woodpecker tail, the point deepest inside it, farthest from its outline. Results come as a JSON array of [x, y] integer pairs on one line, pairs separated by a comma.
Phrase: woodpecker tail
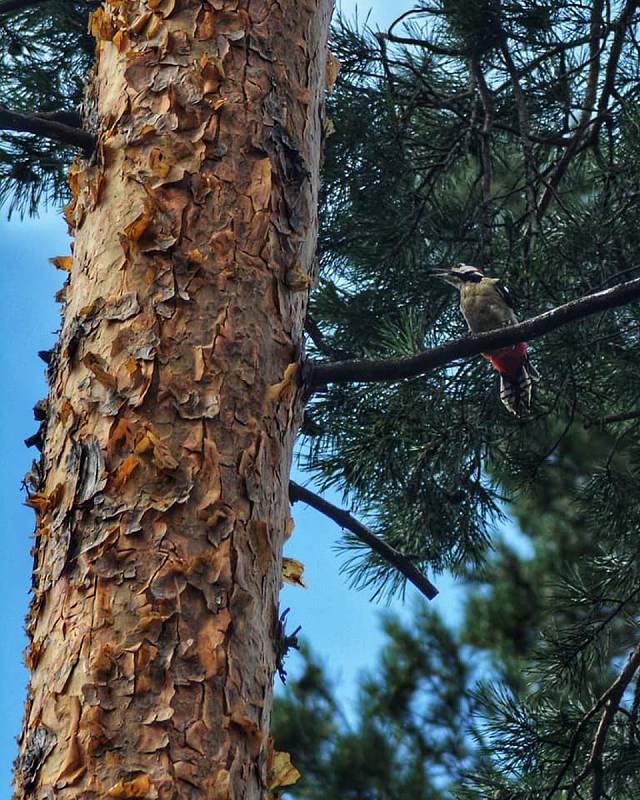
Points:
[[515, 390]]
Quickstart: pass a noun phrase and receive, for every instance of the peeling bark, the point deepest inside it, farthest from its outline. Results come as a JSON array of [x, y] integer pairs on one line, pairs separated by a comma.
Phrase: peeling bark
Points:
[[161, 499]]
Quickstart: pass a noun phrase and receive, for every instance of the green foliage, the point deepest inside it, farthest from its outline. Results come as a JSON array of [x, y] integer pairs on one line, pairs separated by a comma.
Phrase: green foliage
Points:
[[471, 144], [44, 62], [431, 462], [408, 738], [426, 460], [492, 710]]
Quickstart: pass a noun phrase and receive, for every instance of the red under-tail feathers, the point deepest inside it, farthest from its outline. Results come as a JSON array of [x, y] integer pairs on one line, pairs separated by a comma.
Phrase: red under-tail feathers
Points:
[[517, 376]]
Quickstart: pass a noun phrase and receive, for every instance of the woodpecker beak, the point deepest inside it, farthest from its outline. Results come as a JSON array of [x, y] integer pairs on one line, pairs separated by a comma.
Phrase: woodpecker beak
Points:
[[447, 276]]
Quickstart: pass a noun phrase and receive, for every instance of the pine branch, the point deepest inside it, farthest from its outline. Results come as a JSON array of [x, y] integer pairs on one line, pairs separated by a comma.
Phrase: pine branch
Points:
[[315, 334], [345, 520], [621, 25], [562, 165], [392, 369], [526, 144], [488, 106], [47, 125], [425, 43], [390, 36], [624, 416], [609, 700]]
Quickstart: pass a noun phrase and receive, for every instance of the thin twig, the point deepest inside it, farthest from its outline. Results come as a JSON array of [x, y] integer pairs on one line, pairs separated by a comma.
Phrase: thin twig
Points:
[[345, 520], [478, 79], [391, 36], [392, 369], [47, 125], [315, 334], [432, 48], [527, 147], [595, 33], [620, 25]]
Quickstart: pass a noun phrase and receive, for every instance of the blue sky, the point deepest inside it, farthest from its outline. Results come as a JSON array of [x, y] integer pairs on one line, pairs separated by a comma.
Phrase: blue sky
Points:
[[341, 624]]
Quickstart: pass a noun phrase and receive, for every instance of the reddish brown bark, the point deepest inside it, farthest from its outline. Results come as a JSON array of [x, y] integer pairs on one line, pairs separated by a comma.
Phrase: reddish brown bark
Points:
[[173, 405]]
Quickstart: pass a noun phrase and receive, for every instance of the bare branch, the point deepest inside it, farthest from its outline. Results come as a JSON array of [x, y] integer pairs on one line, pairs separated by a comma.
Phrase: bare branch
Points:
[[427, 45], [625, 416], [614, 58], [478, 79], [404, 15], [390, 36], [393, 369], [47, 125], [345, 520], [549, 140], [595, 33], [527, 147], [610, 700], [315, 334]]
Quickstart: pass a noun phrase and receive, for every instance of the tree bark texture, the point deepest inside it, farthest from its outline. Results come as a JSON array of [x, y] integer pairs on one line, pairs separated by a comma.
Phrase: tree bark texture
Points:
[[161, 497]]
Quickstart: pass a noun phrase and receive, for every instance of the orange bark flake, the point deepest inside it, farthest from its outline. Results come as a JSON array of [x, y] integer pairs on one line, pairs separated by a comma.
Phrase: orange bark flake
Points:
[[119, 40], [126, 790], [332, 70], [124, 471], [174, 406], [62, 262], [120, 437], [293, 572], [38, 501], [101, 24], [96, 365], [280, 770], [276, 390]]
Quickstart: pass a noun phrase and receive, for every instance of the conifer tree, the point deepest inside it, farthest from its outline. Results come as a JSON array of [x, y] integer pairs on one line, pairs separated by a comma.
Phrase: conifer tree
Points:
[[485, 132], [502, 136], [161, 492], [408, 734], [415, 730]]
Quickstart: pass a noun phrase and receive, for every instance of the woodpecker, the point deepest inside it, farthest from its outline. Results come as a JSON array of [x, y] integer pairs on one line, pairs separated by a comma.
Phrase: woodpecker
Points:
[[486, 304]]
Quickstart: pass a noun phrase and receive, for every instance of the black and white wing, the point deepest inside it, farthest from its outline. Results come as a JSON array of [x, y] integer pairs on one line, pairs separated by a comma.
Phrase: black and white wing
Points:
[[504, 293]]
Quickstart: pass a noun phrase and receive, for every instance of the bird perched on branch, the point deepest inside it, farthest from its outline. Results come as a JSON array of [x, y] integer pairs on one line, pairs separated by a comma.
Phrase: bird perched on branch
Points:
[[486, 305]]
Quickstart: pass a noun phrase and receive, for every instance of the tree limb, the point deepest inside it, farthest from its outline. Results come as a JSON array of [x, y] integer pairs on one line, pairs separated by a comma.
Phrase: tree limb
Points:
[[613, 697], [315, 334], [345, 520], [432, 48], [595, 33], [47, 125], [625, 416], [478, 80], [390, 36], [620, 24], [527, 147], [392, 369], [610, 700]]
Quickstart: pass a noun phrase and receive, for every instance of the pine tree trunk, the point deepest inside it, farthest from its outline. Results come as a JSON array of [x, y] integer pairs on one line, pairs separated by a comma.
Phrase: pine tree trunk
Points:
[[161, 502]]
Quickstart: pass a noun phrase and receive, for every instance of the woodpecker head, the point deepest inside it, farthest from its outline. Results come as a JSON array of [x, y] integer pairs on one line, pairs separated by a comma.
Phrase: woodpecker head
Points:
[[460, 274]]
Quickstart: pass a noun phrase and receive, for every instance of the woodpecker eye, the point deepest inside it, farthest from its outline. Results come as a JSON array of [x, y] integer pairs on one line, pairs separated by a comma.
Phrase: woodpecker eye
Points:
[[472, 276]]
